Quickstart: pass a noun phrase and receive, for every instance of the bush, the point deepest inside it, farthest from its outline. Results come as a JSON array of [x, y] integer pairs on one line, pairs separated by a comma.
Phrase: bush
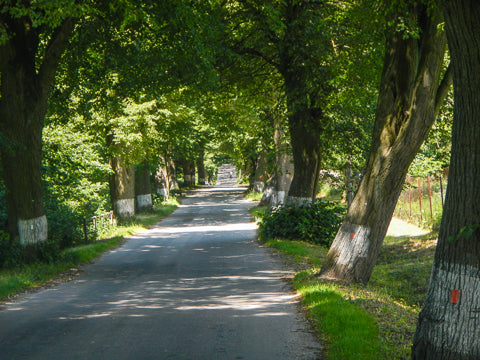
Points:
[[11, 253], [316, 223]]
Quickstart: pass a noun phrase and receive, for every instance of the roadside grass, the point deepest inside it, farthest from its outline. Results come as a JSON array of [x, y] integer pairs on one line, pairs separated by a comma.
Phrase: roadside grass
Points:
[[254, 196], [22, 278], [376, 321]]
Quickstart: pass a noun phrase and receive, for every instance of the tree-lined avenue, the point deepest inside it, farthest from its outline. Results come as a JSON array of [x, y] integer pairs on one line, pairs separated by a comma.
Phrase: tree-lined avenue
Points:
[[196, 286]]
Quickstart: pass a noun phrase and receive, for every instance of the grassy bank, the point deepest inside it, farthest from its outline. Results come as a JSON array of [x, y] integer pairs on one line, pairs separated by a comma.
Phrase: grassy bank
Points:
[[22, 278], [376, 321]]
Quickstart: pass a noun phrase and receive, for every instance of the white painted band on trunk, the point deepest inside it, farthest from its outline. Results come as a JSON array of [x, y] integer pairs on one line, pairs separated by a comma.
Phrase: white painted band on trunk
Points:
[[162, 192], [454, 325], [144, 201], [33, 231], [353, 247], [280, 197], [125, 208], [298, 201]]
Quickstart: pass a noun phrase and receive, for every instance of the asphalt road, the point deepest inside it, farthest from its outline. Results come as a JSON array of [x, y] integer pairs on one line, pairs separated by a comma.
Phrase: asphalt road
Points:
[[197, 286]]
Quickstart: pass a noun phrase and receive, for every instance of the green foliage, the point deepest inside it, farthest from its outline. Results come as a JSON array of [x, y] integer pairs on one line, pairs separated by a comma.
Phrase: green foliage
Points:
[[75, 178], [316, 223], [352, 333]]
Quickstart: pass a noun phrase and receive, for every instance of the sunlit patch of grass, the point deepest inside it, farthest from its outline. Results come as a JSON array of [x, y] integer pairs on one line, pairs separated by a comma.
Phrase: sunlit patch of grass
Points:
[[350, 331], [301, 252], [390, 303], [254, 196]]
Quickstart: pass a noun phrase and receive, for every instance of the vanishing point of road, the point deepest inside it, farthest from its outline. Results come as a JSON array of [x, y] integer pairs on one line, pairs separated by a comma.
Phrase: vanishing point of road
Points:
[[195, 286]]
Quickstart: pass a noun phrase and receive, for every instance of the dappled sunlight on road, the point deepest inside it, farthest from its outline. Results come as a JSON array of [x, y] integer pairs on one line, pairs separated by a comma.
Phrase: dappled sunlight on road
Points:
[[202, 228]]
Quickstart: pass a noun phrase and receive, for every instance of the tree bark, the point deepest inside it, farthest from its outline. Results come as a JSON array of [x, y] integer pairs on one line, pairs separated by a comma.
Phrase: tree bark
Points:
[[201, 168], [278, 185], [162, 180], [189, 173], [23, 104], [143, 188], [122, 188], [305, 116], [260, 173], [409, 98], [449, 323]]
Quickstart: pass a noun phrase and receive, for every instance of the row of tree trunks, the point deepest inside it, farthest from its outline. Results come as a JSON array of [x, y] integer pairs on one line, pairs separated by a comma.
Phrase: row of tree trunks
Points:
[[449, 323], [410, 95]]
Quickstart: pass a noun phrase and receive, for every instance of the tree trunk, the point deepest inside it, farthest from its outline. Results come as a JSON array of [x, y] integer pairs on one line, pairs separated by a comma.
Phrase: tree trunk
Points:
[[304, 104], [277, 187], [259, 177], [122, 188], [449, 324], [24, 87], [143, 188], [201, 168], [172, 173], [306, 146], [162, 180], [189, 173], [409, 99]]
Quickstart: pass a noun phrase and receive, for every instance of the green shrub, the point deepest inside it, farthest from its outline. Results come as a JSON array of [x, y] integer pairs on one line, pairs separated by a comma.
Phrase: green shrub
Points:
[[316, 223]]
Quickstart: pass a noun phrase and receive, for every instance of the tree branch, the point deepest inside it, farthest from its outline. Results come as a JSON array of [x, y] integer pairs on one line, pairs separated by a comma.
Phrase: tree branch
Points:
[[54, 50], [444, 88]]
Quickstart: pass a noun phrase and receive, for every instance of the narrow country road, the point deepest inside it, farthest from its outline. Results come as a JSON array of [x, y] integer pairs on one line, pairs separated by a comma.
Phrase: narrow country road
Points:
[[197, 286]]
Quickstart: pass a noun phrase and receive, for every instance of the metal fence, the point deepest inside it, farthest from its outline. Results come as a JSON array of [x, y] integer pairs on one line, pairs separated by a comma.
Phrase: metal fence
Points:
[[421, 201], [98, 223]]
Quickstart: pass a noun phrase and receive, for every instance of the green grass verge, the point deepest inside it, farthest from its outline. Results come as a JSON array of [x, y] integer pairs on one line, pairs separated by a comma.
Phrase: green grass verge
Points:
[[350, 332], [255, 196], [17, 280], [376, 321]]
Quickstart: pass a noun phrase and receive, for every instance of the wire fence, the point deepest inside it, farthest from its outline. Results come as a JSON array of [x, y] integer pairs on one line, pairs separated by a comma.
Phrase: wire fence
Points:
[[97, 224], [421, 201]]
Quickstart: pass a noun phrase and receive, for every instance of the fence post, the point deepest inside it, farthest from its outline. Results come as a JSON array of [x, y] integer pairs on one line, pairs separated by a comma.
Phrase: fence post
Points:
[[430, 198], [85, 230], [420, 197], [410, 194]]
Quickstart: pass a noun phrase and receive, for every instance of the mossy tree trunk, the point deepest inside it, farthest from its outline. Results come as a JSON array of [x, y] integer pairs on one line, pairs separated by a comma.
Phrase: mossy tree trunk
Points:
[[411, 92]]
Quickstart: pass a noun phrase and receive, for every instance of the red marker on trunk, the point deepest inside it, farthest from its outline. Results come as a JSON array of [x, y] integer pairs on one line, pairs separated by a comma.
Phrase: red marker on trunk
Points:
[[455, 296]]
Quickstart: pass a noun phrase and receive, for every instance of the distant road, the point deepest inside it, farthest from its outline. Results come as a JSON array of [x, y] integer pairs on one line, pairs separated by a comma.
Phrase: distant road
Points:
[[197, 286]]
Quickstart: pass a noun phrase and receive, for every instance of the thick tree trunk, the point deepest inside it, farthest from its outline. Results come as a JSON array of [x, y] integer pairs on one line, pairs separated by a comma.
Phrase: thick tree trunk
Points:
[[172, 174], [306, 146], [304, 104], [408, 102], [122, 188], [162, 181], [189, 173], [449, 324], [277, 187], [260, 174], [143, 188], [24, 87], [201, 169]]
